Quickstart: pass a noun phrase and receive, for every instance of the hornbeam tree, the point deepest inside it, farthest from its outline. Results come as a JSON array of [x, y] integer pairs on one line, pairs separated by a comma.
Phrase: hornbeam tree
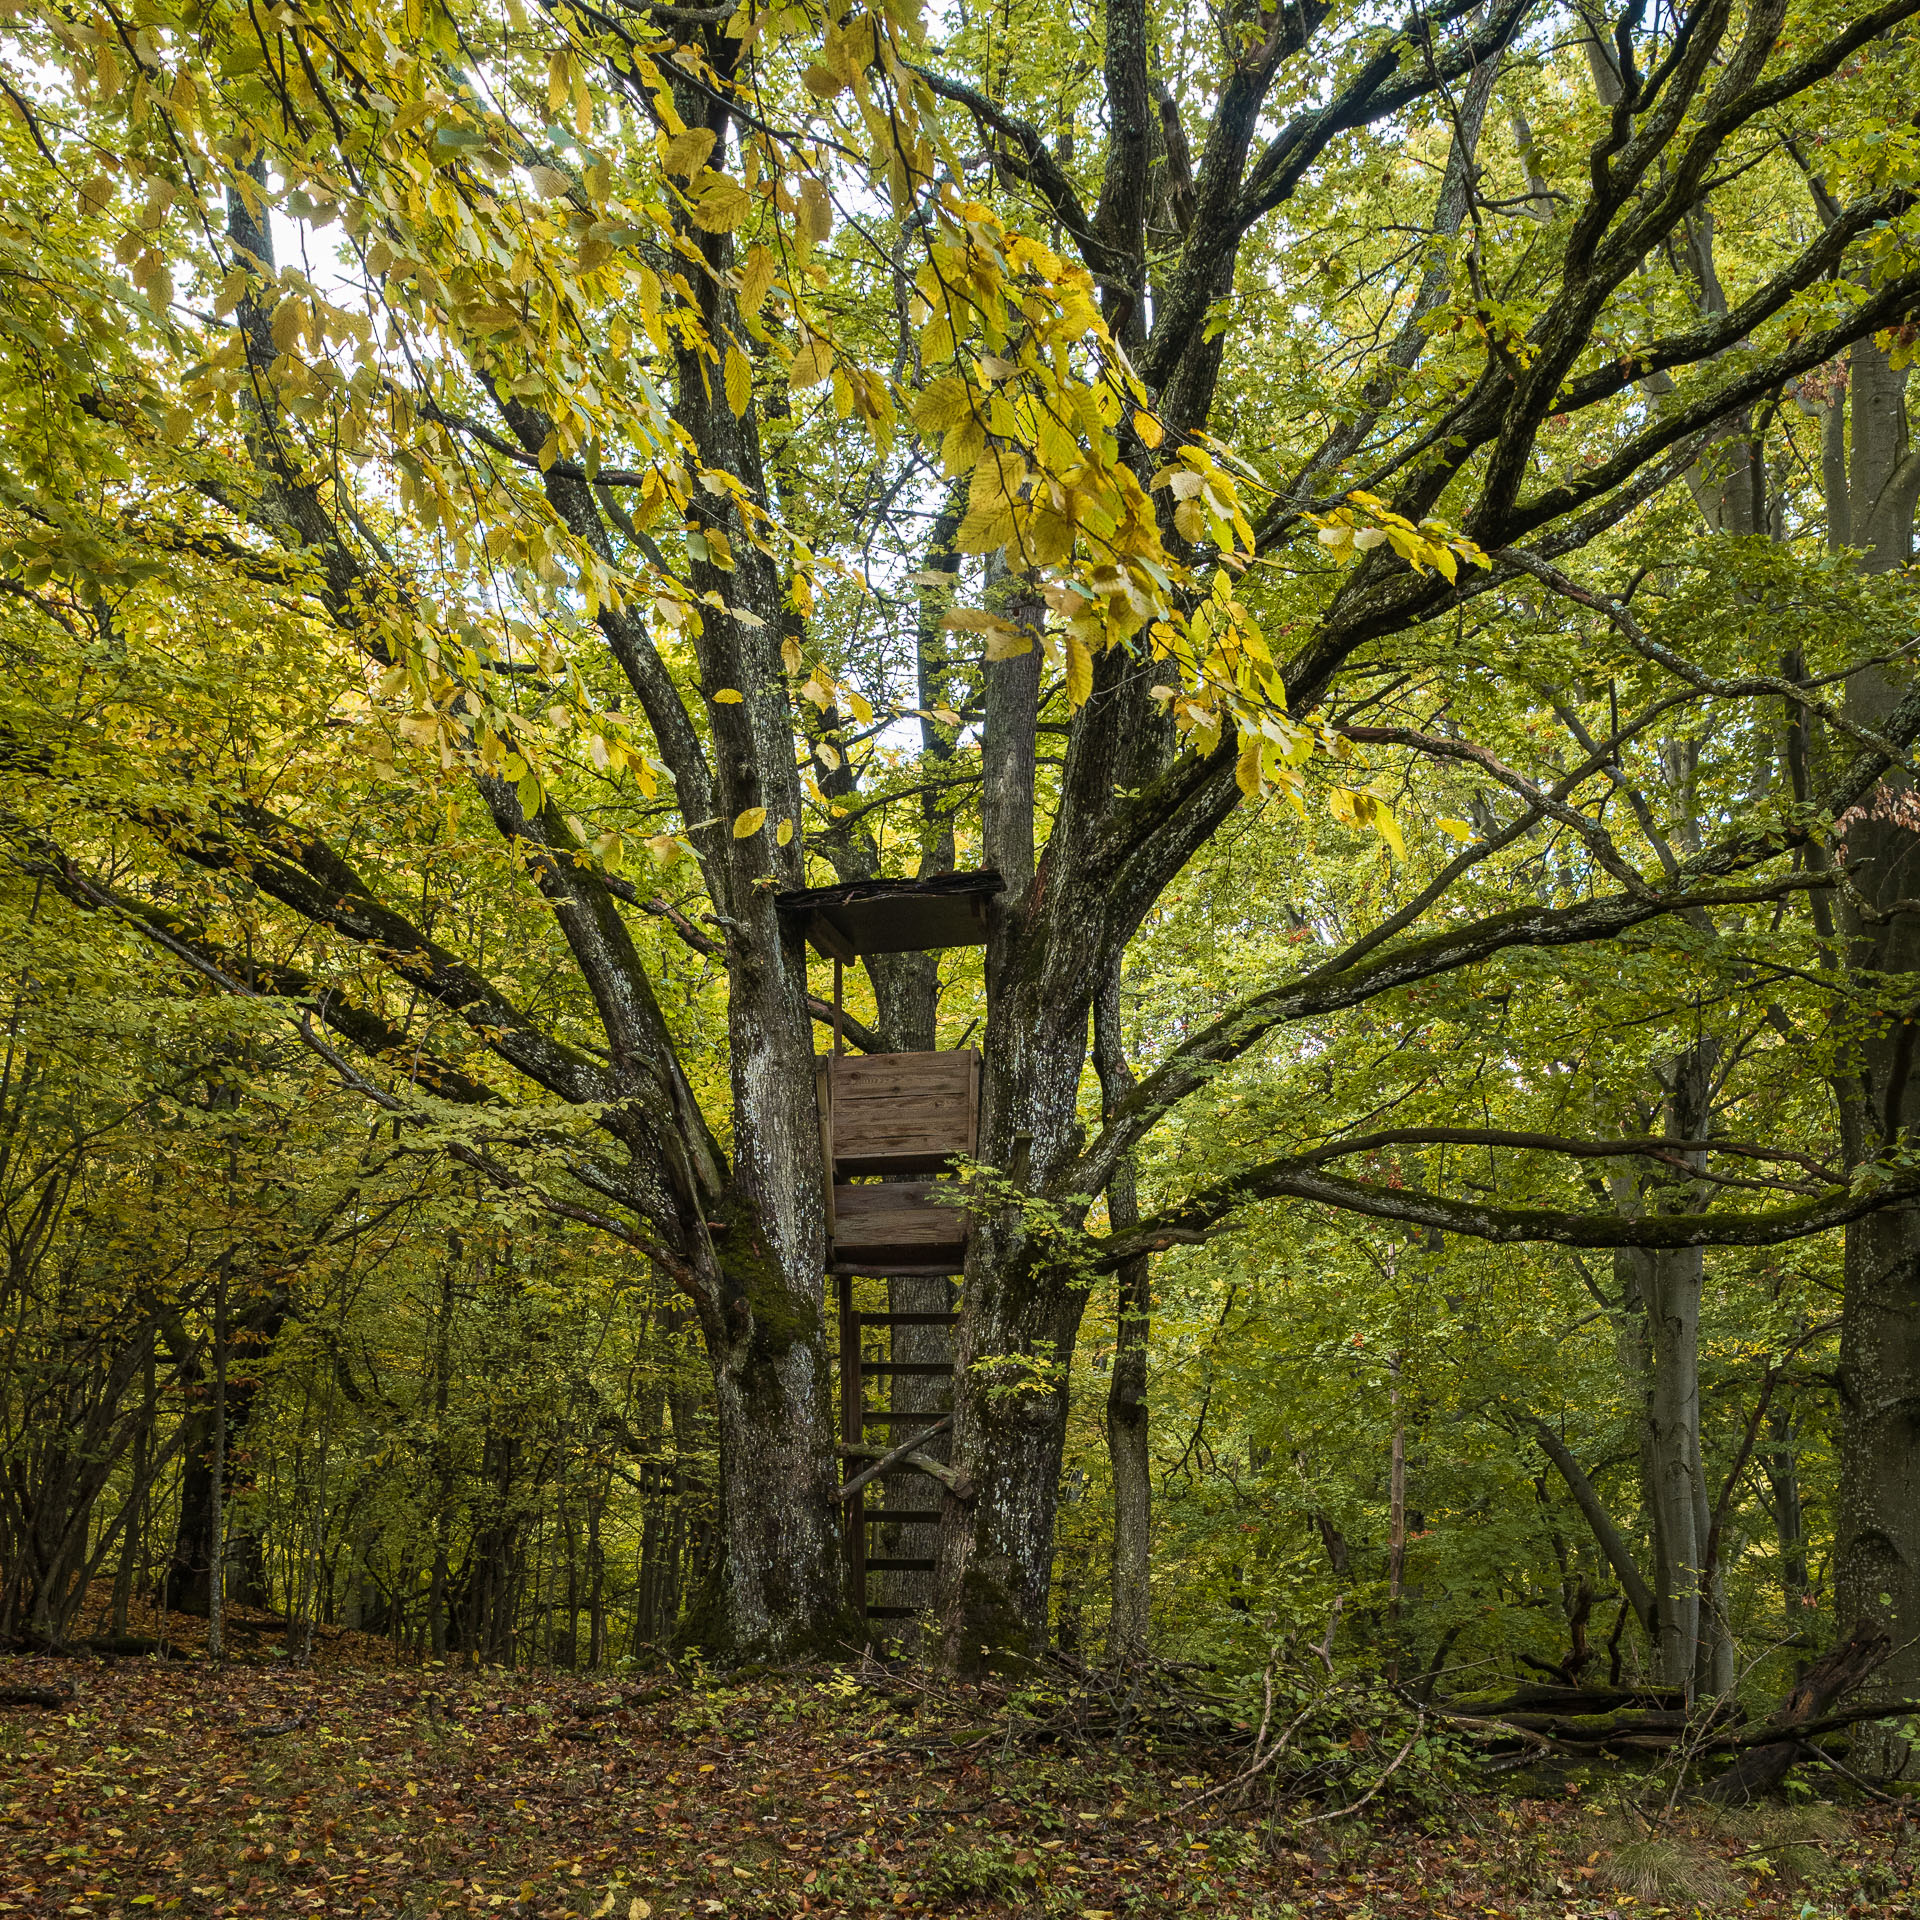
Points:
[[763, 436]]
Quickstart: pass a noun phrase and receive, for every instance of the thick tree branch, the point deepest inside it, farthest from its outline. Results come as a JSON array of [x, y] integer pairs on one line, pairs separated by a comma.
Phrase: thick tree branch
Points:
[[1291, 1179], [304, 873], [1342, 982], [1718, 332]]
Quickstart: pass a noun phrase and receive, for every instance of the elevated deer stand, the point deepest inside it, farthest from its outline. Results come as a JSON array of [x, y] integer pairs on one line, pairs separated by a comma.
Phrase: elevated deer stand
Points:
[[890, 1123]]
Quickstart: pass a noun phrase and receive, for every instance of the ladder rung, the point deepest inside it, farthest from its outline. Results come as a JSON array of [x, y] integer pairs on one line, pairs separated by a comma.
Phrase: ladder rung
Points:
[[918, 1369], [901, 1516], [874, 1418], [908, 1319], [893, 1613], [900, 1566]]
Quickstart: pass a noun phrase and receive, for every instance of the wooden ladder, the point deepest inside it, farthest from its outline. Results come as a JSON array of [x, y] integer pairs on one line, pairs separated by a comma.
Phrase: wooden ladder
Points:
[[855, 1419]]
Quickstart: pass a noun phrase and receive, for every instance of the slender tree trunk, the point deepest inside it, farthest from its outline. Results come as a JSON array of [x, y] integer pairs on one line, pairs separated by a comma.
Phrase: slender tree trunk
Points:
[[1782, 1468], [1677, 1491], [217, 1478], [1129, 1615], [1130, 1618], [1396, 1517], [596, 1586], [441, 1452], [569, 1531], [1660, 1307], [133, 1543]]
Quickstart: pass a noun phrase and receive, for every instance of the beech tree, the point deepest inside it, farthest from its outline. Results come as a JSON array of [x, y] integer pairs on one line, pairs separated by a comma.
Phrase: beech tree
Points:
[[811, 439]]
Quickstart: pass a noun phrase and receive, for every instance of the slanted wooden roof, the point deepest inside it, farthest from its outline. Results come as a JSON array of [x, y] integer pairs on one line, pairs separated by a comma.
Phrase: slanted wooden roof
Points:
[[894, 916]]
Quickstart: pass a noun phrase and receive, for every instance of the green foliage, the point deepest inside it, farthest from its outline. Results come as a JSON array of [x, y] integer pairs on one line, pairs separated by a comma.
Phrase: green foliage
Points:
[[380, 388]]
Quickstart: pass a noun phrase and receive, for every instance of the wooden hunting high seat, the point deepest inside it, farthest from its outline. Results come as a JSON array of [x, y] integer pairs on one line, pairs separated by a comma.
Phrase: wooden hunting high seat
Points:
[[894, 1113], [890, 1125]]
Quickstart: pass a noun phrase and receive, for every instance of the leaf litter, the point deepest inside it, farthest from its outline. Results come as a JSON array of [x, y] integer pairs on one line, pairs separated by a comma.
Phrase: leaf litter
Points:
[[367, 1786]]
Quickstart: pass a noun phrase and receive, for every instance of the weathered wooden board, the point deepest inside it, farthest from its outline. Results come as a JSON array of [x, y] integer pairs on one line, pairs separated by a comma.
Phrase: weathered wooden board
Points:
[[893, 916], [878, 1228], [900, 1112]]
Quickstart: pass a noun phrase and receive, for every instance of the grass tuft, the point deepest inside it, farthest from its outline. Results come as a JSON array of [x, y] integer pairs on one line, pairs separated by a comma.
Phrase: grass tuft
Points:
[[1667, 1873]]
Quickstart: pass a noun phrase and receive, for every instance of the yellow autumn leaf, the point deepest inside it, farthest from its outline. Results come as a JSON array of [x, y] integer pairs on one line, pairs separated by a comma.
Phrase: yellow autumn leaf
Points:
[[816, 208], [720, 204], [756, 279], [944, 404], [811, 364], [1148, 428], [1457, 829], [749, 823], [983, 529], [784, 833], [972, 620], [1246, 772], [739, 381], [1079, 671], [686, 153], [728, 697]]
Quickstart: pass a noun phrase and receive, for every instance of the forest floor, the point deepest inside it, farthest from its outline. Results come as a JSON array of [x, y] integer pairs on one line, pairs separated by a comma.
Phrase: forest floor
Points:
[[360, 1786]]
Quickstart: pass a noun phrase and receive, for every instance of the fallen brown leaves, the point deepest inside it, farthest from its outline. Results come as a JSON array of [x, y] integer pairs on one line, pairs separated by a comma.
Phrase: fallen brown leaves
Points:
[[169, 1787]]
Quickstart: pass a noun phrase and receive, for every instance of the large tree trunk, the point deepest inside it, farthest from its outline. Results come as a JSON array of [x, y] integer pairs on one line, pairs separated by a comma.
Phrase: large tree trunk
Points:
[[1694, 1650], [1017, 1330], [1023, 1296], [1877, 1521], [777, 1588]]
